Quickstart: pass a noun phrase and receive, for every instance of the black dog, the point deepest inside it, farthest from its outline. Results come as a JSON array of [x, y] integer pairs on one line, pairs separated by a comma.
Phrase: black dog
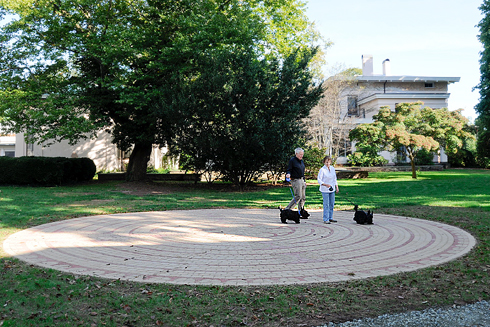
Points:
[[363, 217], [288, 214]]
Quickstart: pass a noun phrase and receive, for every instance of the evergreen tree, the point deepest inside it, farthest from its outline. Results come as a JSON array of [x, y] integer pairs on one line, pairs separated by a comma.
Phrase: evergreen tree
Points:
[[245, 120], [483, 107]]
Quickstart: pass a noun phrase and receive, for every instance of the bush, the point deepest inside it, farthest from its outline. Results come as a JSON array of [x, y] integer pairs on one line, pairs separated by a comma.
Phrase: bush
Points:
[[483, 162], [153, 170], [45, 170], [366, 157], [424, 157], [462, 158], [313, 160]]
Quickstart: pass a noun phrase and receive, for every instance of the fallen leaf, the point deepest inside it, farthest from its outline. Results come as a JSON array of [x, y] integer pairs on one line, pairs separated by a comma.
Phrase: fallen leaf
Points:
[[34, 315]]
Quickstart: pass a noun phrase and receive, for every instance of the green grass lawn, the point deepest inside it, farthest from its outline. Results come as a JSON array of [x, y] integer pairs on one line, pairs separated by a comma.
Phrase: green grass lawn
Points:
[[33, 296]]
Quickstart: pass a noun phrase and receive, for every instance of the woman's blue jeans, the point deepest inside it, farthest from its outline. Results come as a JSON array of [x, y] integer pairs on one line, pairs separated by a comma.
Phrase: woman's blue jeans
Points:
[[328, 203]]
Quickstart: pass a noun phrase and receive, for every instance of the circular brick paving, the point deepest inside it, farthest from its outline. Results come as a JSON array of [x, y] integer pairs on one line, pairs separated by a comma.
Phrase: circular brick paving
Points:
[[237, 247]]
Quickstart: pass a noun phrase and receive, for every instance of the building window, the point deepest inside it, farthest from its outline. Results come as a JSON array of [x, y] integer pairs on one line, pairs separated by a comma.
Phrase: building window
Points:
[[345, 146], [352, 109], [30, 149], [346, 149], [10, 154], [429, 85]]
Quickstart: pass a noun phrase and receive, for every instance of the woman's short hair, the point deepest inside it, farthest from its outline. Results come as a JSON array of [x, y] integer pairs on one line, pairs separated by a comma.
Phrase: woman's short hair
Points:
[[327, 158], [298, 150]]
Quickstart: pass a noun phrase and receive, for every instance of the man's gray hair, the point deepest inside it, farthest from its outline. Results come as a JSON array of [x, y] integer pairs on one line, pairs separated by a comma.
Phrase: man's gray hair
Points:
[[298, 150]]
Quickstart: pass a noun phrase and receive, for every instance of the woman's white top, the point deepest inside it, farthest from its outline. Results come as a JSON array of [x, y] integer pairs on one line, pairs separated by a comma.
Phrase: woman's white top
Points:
[[327, 176]]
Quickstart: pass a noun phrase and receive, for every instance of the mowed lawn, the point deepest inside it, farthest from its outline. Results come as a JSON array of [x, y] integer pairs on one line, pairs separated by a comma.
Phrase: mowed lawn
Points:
[[33, 296]]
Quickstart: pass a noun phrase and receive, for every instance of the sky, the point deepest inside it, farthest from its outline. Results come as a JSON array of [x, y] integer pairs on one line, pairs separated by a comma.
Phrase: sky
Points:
[[420, 37]]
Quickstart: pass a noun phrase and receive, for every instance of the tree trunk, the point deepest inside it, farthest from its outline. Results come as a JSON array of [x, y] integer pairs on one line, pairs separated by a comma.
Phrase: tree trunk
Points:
[[412, 163], [138, 162], [414, 172]]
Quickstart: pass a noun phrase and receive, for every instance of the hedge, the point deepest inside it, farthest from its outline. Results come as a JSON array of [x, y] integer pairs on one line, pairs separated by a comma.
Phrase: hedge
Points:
[[45, 170]]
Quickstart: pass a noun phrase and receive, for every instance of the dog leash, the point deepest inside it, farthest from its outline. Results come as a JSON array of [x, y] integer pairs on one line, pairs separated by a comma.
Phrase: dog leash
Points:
[[350, 200], [352, 203], [292, 194]]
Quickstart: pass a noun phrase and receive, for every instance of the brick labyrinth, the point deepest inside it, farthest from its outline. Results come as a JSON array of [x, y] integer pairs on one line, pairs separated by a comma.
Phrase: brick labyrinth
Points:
[[237, 247]]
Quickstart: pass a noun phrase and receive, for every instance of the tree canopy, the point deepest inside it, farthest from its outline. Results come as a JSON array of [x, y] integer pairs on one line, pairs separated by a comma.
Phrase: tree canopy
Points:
[[71, 68], [411, 127], [483, 107], [248, 119]]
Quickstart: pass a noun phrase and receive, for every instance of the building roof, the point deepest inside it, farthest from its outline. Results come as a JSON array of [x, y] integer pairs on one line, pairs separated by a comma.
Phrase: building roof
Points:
[[404, 95], [405, 78]]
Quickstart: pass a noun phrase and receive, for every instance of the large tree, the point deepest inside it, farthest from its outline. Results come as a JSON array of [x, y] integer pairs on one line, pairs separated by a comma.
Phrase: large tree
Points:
[[412, 128], [71, 68], [247, 119], [483, 107]]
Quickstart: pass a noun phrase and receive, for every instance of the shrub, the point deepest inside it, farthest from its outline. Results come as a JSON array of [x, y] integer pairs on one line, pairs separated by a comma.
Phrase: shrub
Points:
[[424, 157], [313, 160], [366, 157], [45, 170], [462, 158], [153, 170]]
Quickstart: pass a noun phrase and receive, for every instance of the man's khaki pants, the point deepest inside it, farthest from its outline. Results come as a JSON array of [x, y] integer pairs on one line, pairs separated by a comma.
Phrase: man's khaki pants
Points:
[[299, 190]]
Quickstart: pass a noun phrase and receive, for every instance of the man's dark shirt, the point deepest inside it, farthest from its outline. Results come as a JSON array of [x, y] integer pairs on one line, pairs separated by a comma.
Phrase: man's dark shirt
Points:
[[296, 168]]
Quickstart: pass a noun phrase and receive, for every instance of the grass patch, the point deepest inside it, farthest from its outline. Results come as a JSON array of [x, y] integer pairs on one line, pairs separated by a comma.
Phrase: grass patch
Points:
[[33, 296]]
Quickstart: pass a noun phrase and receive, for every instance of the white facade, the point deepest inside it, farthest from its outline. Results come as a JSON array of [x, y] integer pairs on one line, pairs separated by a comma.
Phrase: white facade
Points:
[[370, 92], [105, 154], [7, 144]]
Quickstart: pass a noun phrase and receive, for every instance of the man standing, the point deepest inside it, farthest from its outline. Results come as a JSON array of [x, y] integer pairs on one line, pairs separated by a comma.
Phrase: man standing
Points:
[[296, 172]]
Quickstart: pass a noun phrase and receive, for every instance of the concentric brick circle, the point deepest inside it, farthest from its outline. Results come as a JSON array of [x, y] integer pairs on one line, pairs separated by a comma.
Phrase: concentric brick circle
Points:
[[237, 247]]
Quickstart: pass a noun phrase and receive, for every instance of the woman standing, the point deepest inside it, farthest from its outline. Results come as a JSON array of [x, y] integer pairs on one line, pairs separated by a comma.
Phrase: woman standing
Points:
[[327, 178]]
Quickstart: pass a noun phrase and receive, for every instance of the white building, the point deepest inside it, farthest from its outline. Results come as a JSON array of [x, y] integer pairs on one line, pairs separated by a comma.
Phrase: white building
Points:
[[7, 144], [370, 92], [105, 154]]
